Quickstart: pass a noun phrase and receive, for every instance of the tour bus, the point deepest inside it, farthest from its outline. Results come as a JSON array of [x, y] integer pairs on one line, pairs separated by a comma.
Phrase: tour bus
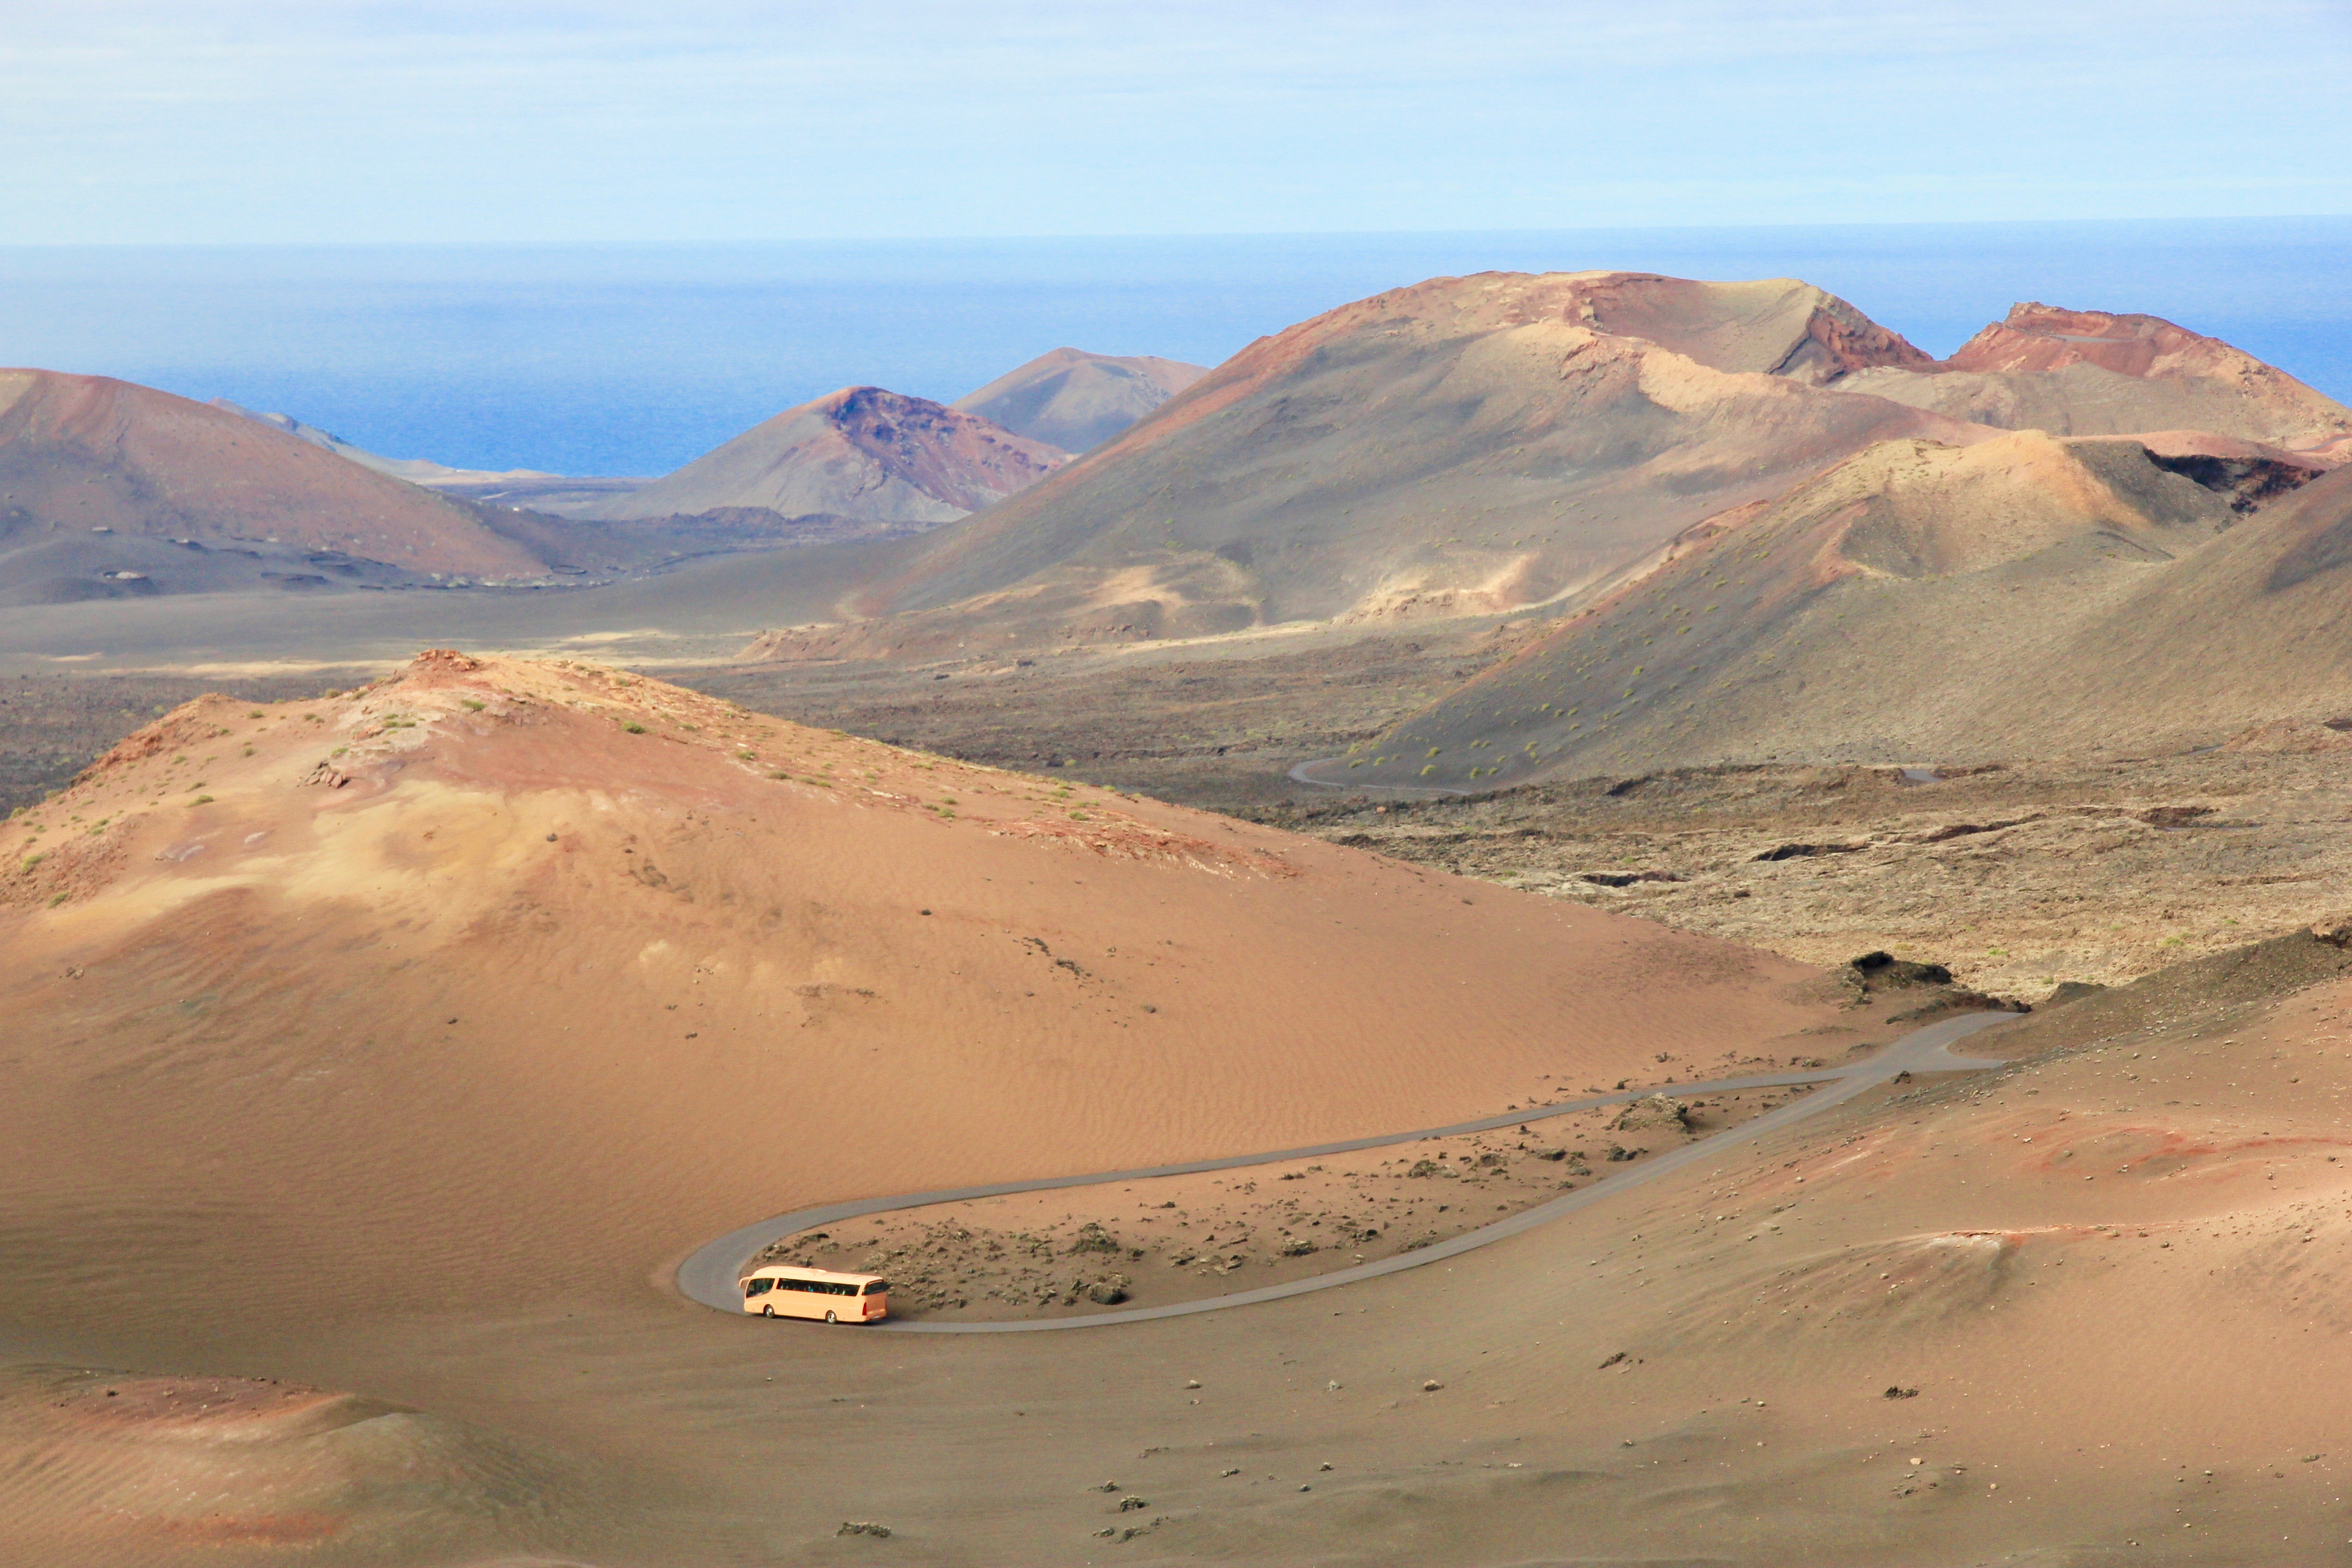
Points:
[[784, 1292]]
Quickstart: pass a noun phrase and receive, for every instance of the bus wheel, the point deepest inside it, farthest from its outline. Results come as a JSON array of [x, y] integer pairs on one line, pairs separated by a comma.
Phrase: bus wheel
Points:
[[833, 1317], [767, 1311]]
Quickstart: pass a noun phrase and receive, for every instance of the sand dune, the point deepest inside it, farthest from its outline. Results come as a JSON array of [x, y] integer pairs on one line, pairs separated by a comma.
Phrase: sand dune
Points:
[[1919, 601], [861, 453], [128, 1467], [1074, 400], [480, 934], [410, 1003]]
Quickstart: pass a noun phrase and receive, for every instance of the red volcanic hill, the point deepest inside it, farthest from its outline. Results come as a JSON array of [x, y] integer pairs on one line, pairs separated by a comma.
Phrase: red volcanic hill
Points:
[[1075, 400], [1464, 445], [90, 463], [860, 453], [2093, 372]]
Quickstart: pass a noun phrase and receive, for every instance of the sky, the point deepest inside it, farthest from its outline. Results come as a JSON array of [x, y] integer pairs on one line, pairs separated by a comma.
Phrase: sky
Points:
[[330, 122]]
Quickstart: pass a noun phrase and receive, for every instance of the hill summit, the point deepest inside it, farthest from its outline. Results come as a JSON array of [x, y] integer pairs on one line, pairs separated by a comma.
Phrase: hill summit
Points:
[[1461, 446], [862, 453], [1074, 400]]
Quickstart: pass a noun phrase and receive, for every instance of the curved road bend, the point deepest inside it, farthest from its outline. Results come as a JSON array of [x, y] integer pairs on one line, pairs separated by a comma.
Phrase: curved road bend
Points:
[[711, 1274], [1299, 774]]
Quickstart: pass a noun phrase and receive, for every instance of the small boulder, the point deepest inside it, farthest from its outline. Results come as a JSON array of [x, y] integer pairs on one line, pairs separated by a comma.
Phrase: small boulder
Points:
[[1653, 1110]]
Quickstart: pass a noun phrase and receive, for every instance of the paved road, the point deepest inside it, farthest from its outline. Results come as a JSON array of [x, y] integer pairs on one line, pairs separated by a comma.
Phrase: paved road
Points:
[[711, 1275]]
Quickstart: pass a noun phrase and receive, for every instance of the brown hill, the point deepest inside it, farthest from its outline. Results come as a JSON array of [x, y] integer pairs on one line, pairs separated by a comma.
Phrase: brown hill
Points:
[[1074, 400], [2091, 372], [97, 477], [2024, 595], [645, 965], [1461, 446], [862, 454]]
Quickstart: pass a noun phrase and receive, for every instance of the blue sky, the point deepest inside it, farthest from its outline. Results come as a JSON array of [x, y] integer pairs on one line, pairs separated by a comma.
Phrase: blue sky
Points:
[[320, 121]]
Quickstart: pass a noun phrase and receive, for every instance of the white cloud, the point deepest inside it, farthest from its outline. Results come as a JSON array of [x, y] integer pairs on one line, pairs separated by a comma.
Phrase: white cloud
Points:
[[282, 120]]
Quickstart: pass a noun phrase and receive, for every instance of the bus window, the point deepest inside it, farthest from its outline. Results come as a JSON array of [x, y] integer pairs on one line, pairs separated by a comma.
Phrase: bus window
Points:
[[758, 1286], [876, 1287]]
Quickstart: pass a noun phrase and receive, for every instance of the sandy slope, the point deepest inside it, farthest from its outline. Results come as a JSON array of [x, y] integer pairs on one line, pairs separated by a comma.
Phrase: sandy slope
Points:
[[1074, 400], [862, 453], [1463, 445], [375, 1085], [2097, 372], [91, 465], [606, 944], [2022, 595], [1470, 446], [416, 1001]]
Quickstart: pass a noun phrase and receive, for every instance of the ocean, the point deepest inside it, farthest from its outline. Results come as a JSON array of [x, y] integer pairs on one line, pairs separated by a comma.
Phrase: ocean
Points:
[[633, 359]]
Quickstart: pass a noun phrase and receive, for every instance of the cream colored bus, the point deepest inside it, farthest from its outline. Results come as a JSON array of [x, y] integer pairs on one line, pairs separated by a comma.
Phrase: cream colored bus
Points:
[[783, 1292]]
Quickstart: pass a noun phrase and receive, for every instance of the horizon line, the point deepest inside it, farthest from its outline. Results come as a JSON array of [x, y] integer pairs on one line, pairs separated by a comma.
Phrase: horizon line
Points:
[[1141, 236]]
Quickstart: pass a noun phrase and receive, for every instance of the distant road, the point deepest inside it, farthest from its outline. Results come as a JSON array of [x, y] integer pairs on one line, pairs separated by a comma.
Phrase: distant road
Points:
[[711, 1276], [1299, 774]]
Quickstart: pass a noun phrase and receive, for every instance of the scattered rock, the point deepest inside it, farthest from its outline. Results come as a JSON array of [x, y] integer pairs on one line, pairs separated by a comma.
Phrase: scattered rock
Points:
[[1806, 851], [2172, 816], [1880, 970], [863, 1527], [1896, 1391], [1431, 1386], [1093, 1237], [1613, 1361], [1130, 1503], [1627, 879], [1654, 1111]]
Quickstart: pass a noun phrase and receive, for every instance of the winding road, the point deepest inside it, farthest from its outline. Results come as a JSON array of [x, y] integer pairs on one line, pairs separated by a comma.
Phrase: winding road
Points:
[[1299, 774], [711, 1275]]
